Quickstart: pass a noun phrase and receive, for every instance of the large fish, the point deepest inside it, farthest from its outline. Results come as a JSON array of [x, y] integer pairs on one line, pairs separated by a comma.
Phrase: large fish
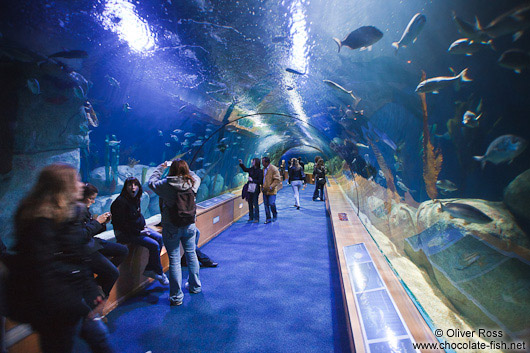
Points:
[[411, 32], [472, 32], [468, 47], [514, 21], [70, 54], [503, 149], [435, 84], [363, 37], [515, 59], [338, 87], [33, 85], [467, 212]]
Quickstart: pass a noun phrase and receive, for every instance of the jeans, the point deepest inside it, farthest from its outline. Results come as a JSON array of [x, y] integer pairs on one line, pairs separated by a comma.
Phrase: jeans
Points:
[[318, 189], [173, 236], [297, 185], [202, 257], [106, 269], [152, 240], [269, 201], [96, 334], [253, 205]]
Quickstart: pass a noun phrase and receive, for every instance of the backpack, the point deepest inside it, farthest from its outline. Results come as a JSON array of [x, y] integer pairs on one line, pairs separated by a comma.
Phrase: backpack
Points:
[[182, 213]]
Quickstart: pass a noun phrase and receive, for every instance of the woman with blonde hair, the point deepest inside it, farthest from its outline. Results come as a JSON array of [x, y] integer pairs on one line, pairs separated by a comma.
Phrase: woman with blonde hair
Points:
[[50, 284], [296, 179]]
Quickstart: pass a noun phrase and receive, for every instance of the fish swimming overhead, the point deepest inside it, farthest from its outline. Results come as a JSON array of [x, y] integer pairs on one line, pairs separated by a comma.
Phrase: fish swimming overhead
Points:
[[411, 32], [363, 37], [70, 54], [294, 71], [470, 119], [514, 21], [467, 212], [468, 47], [435, 84], [338, 87], [515, 59], [189, 134], [503, 149], [472, 32]]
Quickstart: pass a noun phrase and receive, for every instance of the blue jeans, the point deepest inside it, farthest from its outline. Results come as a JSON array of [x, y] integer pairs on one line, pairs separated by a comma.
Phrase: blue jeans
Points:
[[269, 201], [173, 236], [297, 185], [152, 240], [253, 205]]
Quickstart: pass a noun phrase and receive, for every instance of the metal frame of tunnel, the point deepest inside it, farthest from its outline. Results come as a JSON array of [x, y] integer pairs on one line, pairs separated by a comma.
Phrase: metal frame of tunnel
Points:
[[249, 115]]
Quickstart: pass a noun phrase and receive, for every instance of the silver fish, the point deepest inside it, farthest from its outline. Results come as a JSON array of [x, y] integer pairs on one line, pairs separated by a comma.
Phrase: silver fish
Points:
[[168, 144], [446, 186], [468, 47], [503, 149], [197, 143], [189, 134], [177, 131], [33, 85], [112, 81], [470, 119], [160, 133], [174, 137], [514, 21], [411, 32], [473, 32], [363, 37], [80, 93], [515, 59], [404, 187], [435, 84], [467, 212], [338, 87], [200, 159]]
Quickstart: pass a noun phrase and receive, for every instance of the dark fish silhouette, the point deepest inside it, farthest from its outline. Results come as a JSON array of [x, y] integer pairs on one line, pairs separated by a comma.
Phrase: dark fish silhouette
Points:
[[363, 37], [70, 54], [294, 71], [515, 59]]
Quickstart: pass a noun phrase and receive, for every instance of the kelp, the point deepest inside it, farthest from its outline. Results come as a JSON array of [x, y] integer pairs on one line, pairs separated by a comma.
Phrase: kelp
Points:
[[432, 159]]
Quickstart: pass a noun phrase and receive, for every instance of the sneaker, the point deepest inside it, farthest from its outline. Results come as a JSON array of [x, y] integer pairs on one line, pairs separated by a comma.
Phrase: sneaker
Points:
[[268, 221], [274, 219], [297, 207], [174, 302], [187, 285], [162, 279]]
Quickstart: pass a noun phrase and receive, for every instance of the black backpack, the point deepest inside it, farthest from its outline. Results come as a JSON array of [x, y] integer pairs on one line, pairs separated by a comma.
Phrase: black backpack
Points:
[[182, 213]]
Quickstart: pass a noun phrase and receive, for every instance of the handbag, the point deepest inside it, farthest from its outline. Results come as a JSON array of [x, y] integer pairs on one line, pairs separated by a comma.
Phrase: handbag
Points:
[[252, 187], [244, 192]]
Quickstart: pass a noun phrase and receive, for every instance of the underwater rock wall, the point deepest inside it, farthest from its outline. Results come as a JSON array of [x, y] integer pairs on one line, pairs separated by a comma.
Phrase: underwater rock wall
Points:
[[48, 128], [517, 196]]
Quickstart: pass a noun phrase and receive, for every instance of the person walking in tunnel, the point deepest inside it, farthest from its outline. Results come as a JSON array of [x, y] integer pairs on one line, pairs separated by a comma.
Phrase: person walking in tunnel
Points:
[[255, 180], [296, 179], [105, 256], [319, 174], [50, 284], [177, 192], [282, 169], [129, 227], [271, 181]]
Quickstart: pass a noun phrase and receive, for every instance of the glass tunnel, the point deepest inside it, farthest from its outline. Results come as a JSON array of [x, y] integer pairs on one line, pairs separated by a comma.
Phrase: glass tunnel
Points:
[[418, 108]]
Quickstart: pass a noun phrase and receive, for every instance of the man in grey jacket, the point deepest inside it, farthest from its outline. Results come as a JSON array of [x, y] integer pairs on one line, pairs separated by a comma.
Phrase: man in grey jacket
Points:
[[176, 187]]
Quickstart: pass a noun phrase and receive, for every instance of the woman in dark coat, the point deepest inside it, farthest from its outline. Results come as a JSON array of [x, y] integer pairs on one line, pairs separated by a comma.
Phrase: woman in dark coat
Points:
[[50, 284], [255, 176], [129, 227], [319, 173]]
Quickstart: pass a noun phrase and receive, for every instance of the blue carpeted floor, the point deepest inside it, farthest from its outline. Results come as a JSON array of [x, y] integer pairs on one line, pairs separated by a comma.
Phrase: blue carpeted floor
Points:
[[276, 290]]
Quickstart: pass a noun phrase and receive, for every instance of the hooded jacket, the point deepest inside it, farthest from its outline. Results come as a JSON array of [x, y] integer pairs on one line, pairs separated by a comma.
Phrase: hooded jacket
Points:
[[167, 188]]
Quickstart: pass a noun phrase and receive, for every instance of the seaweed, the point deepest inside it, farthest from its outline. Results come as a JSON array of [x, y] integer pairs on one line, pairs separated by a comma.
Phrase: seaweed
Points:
[[432, 159]]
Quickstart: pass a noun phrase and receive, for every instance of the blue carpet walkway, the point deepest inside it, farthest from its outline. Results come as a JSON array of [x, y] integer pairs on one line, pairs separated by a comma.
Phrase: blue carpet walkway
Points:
[[276, 290]]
